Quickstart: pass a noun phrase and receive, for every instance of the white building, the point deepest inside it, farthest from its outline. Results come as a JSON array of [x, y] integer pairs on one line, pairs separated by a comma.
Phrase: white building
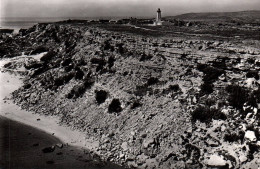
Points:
[[158, 20]]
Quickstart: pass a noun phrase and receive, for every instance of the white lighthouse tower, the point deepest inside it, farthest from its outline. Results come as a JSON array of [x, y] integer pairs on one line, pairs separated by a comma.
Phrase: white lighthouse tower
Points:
[[158, 20], [159, 15]]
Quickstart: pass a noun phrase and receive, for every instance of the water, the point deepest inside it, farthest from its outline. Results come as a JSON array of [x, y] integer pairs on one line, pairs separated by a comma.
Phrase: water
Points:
[[24, 22], [27, 22]]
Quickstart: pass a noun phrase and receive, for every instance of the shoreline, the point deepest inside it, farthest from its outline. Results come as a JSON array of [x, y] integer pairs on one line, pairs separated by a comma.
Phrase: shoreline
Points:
[[48, 124]]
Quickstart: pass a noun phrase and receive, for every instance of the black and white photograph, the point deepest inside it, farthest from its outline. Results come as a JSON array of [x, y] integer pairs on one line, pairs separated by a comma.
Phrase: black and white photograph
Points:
[[129, 84]]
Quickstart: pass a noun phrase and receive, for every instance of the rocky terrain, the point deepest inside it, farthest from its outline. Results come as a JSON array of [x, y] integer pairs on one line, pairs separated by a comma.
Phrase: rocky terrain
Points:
[[150, 101]]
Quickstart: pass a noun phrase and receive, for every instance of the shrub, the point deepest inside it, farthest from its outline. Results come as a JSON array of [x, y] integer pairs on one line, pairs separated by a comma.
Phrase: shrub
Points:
[[152, 81], [48, 56], [39, 49], [205, 114], [115, 106], [252, 74], [111, 61], [234, 137], [66, 62], [254, 98], [174, 87], [136, 104], [142, 90], [211, 74], [237, 96], [99, 62], [79, 74], [101, 96], [145, 57], [206, 88], [77, 91], [32, 65], [120, 48]]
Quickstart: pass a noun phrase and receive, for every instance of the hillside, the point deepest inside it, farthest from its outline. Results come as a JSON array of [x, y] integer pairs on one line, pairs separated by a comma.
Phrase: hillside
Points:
[[246, 16], [167, 102]]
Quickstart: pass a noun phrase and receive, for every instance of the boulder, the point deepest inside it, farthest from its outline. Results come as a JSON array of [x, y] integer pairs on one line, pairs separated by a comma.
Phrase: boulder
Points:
[[217, 161], [250, 135], [48, 149], [124, 146]]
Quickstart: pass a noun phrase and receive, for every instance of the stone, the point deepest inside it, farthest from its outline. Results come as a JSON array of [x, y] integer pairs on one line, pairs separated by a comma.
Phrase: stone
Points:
[[212, 143], [121, 155], [250, 135], [48, 149], [216, 161], [59, 145], [124, 146], [147, 142]]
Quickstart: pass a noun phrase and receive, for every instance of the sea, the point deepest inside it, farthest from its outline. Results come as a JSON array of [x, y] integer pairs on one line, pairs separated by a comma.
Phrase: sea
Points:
[[17, 23]]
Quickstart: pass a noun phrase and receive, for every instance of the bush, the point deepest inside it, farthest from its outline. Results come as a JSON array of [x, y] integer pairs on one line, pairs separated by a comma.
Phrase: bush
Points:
[[101, 96], [152, 81], [252, 74], [77, 91], [136, 104], [120, 48], [79, 74], [174, 88], [48, 56], [237, 96], [39, 49], [205, 114], [142, 90], [111, 61], [145, 57], [66, 62], [206, 88], [32, 65], [234, 137], [115, 106], [211, 74]]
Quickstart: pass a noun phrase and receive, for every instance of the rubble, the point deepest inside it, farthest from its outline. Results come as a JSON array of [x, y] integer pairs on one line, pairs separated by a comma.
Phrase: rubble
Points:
[[163, 102]]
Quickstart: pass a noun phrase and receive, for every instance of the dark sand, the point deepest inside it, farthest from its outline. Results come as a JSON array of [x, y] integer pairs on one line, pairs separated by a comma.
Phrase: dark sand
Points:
[[21, 147]]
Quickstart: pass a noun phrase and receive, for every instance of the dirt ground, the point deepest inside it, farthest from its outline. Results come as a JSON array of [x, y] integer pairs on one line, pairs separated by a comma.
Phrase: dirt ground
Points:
[[152, 99]]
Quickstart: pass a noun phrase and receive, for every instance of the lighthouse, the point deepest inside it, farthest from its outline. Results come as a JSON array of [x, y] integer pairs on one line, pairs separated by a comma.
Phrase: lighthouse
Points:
[[159, 15], [158, 20]]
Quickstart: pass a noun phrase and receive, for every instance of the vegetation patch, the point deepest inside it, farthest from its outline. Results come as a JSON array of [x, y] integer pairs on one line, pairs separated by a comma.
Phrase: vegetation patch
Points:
[[234, 137], [206, 114], [101, 96], [237, 96], [48, 56], [39, 49], [252, 74], [115, 106]]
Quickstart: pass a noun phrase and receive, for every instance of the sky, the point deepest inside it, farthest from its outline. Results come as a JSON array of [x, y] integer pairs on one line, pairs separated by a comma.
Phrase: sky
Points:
[[135, 8]]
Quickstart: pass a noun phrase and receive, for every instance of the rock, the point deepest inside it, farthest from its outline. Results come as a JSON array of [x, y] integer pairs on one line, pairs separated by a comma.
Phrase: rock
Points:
[[143, 135], [124, 146], [216, 161], [121, 155], [147, 142], [242, 158], [48, 149], [212, 143], [59, 145], [250, 135], [106, 140]]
